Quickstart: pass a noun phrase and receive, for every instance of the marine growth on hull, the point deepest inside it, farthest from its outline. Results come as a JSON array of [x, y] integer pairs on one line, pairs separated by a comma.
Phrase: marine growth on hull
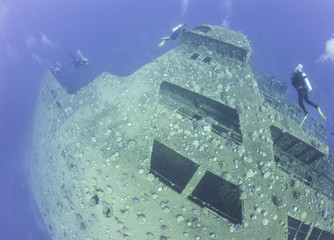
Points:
[[194, 145]]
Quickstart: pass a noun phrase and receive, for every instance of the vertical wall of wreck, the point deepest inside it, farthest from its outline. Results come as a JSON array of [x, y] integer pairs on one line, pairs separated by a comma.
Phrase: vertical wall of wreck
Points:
[[223, 41]]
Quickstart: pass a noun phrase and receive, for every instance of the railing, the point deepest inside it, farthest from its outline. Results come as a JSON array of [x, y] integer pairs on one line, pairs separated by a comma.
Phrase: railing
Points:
[[311, 125], [313, 176]]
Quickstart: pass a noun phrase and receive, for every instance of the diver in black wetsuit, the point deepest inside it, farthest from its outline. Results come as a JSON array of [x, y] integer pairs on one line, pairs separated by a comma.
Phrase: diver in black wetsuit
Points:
[[177, 31], [300, 81], [83, 62]]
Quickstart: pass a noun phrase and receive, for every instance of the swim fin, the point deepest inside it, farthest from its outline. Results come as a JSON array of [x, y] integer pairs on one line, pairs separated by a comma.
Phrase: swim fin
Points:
[[164, 40], [321, 114], [162, 43], [303, 120]]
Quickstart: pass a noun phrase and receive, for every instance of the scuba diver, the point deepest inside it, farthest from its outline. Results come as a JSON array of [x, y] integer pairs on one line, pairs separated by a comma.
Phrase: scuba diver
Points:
[[83, 62], [300, 81], [56, 70], [177, 31]]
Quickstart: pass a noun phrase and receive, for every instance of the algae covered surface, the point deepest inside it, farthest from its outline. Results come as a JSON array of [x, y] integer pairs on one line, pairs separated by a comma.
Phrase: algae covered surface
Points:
[[96, 172]]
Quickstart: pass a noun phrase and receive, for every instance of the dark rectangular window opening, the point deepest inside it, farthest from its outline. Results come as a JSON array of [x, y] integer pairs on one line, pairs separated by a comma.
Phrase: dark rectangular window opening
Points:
[[303, 230], [207, 60], [220, 196], [196, 106], [170, 167], [326, 235], [315, 234], [299, 230], [195, 56], [318, 234], [294, 147], [302, 161]]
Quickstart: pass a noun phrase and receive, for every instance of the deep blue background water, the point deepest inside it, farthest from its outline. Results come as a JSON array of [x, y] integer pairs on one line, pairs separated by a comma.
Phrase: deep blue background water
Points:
[[121, 36]]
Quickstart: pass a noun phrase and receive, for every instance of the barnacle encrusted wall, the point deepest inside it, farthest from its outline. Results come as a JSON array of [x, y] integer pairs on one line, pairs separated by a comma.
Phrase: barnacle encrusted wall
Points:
[[180, 149]]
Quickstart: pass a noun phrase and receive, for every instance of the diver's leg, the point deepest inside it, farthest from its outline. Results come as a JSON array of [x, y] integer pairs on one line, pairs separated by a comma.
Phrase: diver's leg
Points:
[[164, 40], [307, 100], [300, 100], [301, 104]]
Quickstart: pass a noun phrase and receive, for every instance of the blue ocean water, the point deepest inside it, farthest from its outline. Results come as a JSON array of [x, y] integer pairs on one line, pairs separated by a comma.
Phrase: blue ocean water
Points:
[[120, 37]]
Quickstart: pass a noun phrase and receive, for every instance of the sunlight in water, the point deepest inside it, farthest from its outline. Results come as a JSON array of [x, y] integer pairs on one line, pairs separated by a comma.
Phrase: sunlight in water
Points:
[[329, 54]]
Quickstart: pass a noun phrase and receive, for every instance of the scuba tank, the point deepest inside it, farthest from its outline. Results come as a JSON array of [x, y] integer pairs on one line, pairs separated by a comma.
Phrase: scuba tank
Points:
[[177, 27], [177, 31], [307, 83]]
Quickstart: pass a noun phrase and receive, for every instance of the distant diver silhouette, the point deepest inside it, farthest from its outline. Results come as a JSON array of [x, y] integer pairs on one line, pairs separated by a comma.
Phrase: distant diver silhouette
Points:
[[176, 32], [83, 62]]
